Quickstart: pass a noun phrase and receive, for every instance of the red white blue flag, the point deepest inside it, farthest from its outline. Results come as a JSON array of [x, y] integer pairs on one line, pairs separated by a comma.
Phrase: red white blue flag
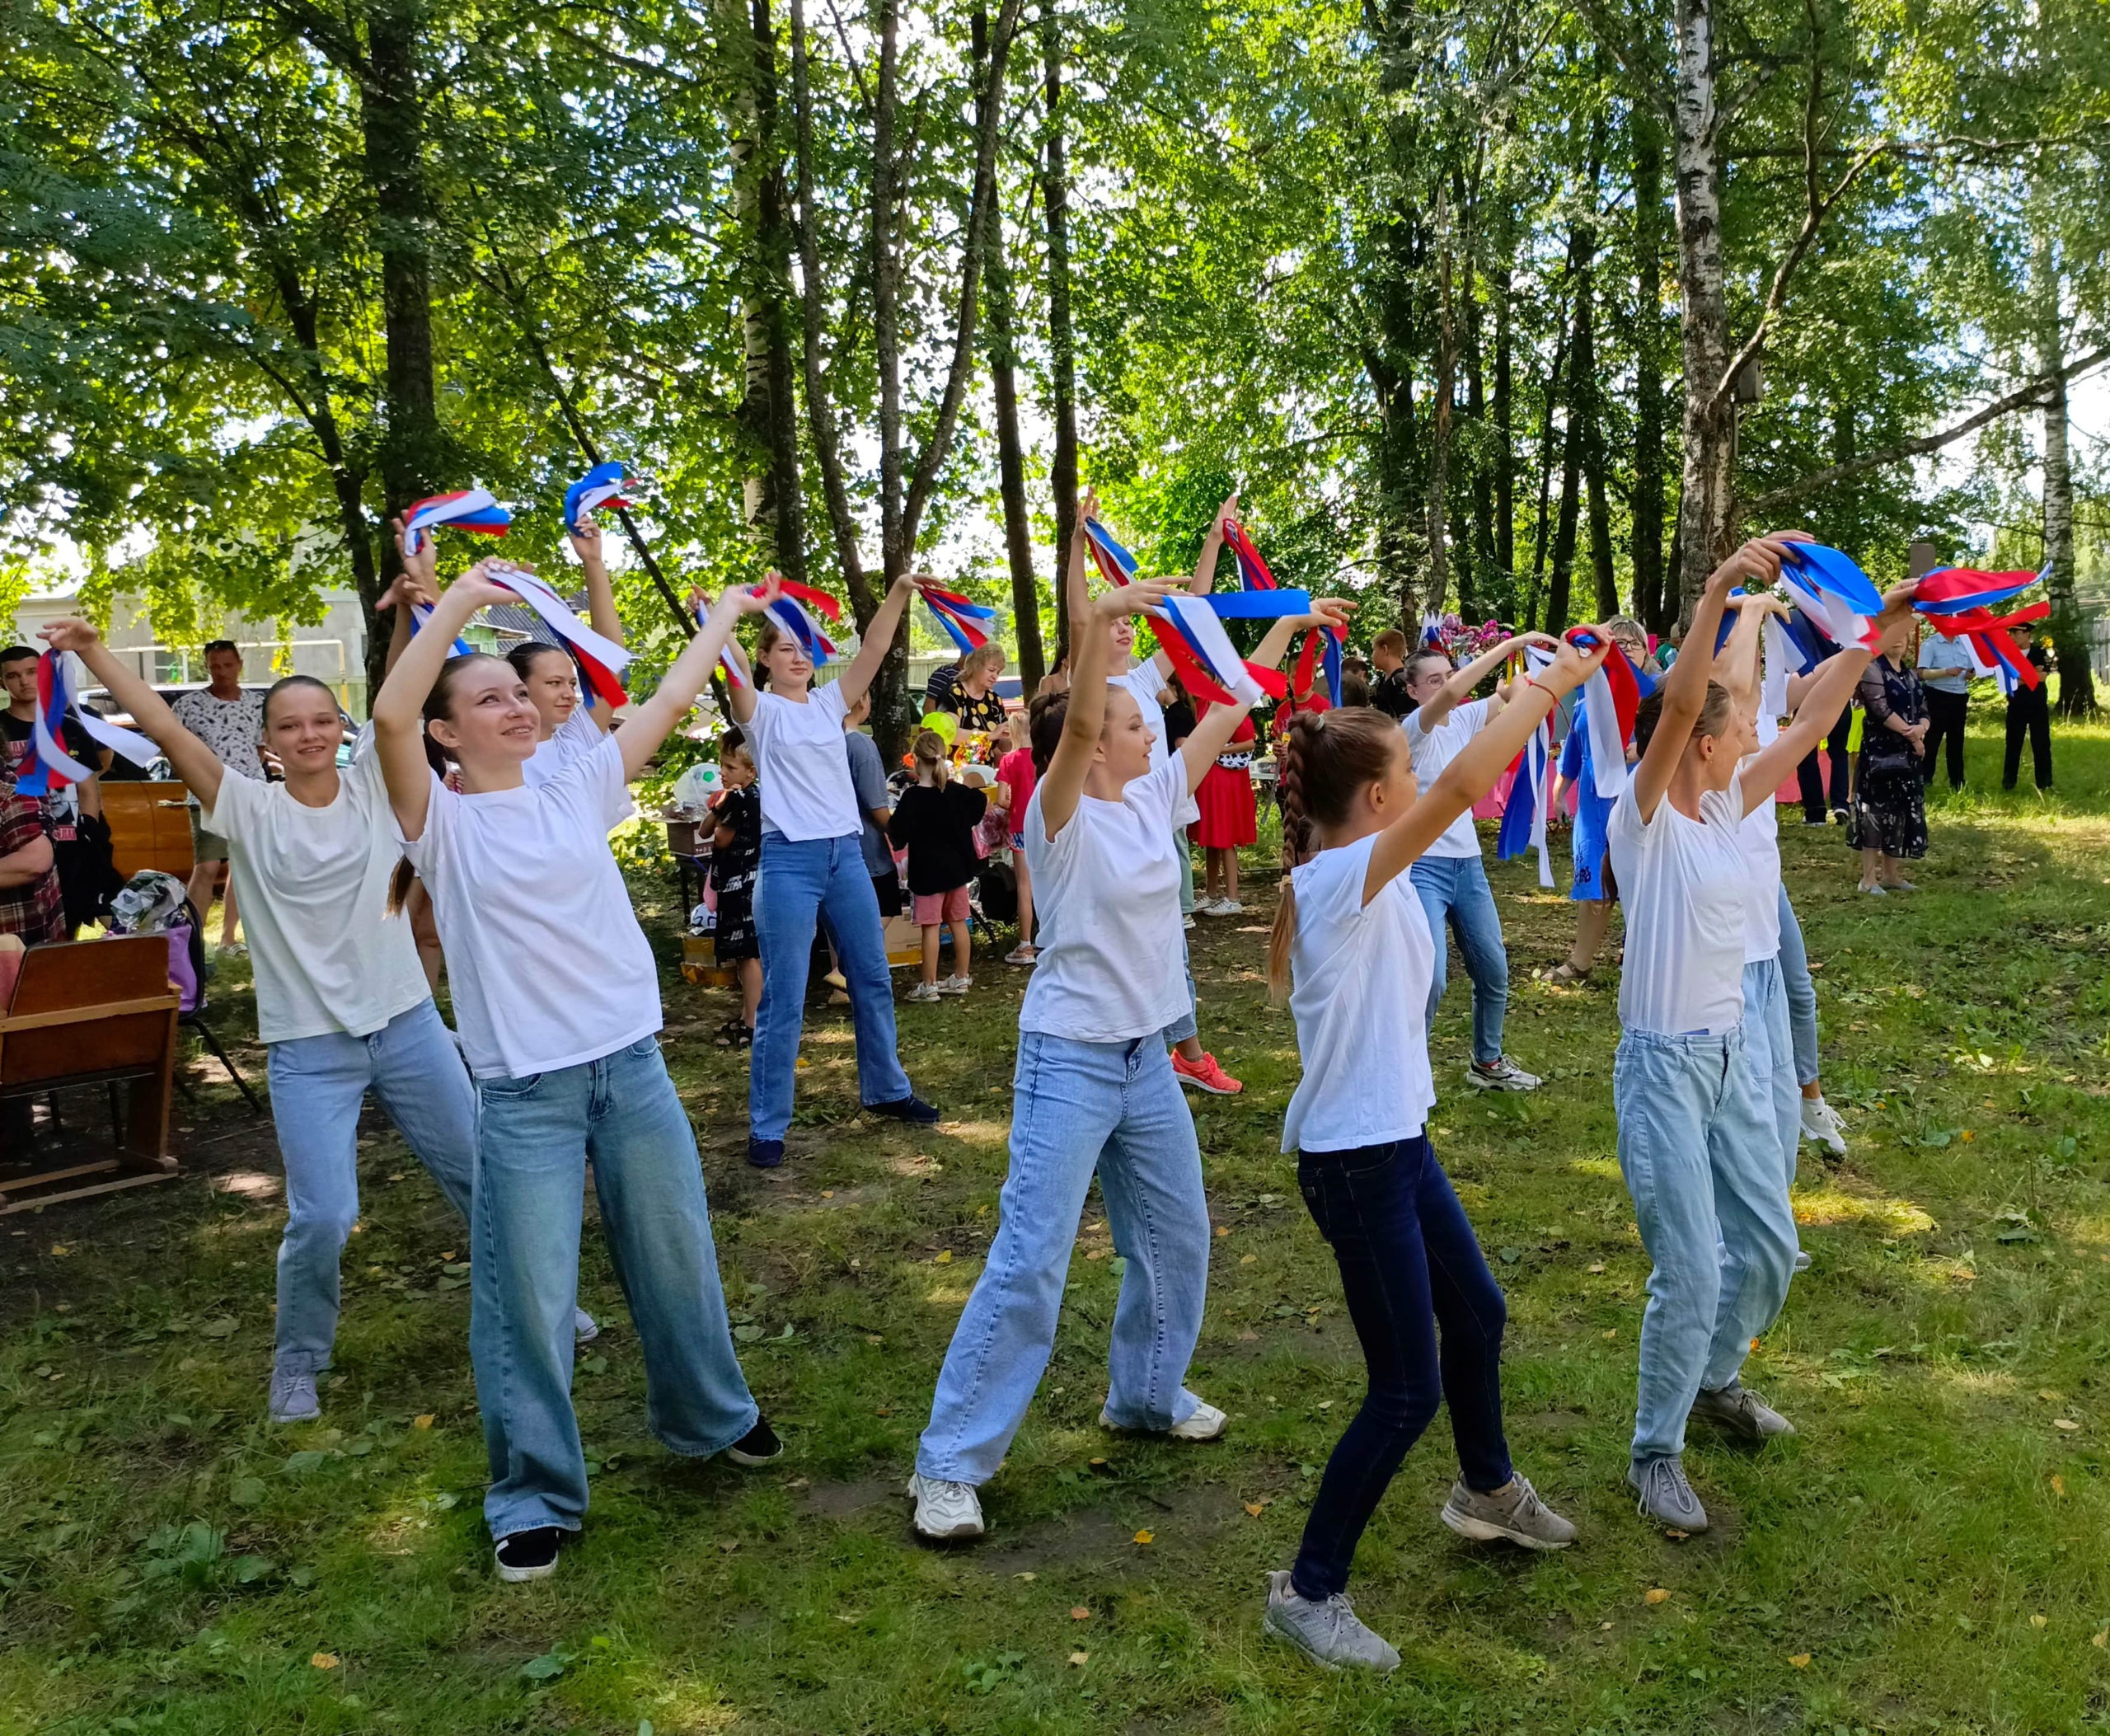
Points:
[[601, 661], [48, 765], [1252, 571], [467, 509], [1834, 593], [605, 484], [1611, 695], [963, 619], [1524, 814]]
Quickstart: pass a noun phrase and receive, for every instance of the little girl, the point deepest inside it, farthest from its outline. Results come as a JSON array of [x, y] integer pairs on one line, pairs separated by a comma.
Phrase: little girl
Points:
[[1229, 818], [1015, 772], [1350, 932], [935, 822], [735, 854]]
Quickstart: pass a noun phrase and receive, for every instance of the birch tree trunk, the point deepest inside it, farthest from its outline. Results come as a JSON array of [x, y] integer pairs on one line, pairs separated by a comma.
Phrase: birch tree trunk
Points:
[[1651, 606], [1435, 591], [2069, 639]]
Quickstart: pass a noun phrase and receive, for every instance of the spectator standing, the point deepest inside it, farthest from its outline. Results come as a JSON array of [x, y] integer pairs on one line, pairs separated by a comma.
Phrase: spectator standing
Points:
[[73, 815], [1945, 669], [30, 905], [230, 721], [1388, 657], [1888, 822], [968, 689], [868, 779], [2029, 712]]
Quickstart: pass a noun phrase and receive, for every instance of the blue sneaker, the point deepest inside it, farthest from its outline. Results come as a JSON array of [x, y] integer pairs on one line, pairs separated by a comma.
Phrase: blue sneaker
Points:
[[911, 1107], [765, 1154]]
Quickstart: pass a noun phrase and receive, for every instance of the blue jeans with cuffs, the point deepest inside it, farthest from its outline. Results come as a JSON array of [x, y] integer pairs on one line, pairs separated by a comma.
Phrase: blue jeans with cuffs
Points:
[[1700, 1152], [1456, 887], [1078, 1108]]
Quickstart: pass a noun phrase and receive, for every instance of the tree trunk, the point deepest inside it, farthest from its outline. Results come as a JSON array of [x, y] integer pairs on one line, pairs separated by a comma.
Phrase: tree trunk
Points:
[[1010, 454], [1439, 445], [1651, 606], [1062, 341], [2069, 635], [1600, 519], [1707, 496], [1505, 441], [1552, 390], [391, 124]]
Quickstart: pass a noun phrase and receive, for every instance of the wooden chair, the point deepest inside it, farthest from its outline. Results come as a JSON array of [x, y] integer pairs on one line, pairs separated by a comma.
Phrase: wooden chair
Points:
[[95, 1012]]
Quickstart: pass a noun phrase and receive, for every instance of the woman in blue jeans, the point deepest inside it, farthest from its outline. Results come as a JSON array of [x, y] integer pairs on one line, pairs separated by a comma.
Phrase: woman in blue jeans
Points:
[[342, 1005], [558, 1000], [1352, 948], [1093, 1090], [813, 864], [1699, 1145]]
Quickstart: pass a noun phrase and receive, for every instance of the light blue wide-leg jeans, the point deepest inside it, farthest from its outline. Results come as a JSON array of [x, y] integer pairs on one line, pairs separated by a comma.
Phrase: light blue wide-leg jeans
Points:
[[1770, 1053], [317, 1085], [1117, 1108], [1801, 994], [1456, 887]]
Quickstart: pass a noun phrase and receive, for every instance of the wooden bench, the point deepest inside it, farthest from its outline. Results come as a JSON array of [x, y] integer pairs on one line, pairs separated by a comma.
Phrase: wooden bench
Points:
[[95, 1012]]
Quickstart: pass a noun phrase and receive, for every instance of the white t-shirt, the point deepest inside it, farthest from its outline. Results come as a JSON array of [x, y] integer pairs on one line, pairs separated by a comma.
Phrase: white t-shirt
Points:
[[801, 764], [1143, 683], [313, 884], [1433, 750], [546, 963], [1359, 977], [575, 736], [1759, 837], [1106, 894], [1686, 889]]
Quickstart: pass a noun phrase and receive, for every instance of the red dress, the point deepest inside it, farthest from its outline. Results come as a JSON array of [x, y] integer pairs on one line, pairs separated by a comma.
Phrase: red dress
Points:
[[1229, 816]]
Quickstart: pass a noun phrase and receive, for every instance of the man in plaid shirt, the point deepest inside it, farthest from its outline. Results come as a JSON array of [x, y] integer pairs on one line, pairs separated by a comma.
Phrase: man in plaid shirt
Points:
[[30, 905]]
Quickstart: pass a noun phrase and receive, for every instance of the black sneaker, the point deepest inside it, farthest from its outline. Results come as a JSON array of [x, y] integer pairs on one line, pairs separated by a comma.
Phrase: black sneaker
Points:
[[911, 1107], [758, 1446], [765, 1154], [529, 1555]]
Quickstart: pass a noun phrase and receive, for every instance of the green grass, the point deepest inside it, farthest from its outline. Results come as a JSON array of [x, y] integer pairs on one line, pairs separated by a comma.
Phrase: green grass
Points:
[[1928, 1554]]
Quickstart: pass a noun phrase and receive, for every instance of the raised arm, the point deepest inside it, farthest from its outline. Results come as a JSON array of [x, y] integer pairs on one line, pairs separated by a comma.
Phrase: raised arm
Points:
[[600, 591], [1829, 688], [1738, 667], [877, 639], [1479, 762], [1213, 733], [194, 762], [398, 722], [650, 721], [1205, 566], [1091, 645], [1459, 688]]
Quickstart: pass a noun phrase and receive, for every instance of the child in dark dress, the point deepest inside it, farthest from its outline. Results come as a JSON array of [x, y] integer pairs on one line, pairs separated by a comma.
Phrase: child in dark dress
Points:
[[735, 855]]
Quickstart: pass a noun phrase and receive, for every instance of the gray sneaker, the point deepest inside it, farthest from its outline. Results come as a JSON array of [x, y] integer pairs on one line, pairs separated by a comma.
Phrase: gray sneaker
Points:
[[293, 1398], [1328, 1633], [1513, 1512], [1737, 1408], [1666, 1496]]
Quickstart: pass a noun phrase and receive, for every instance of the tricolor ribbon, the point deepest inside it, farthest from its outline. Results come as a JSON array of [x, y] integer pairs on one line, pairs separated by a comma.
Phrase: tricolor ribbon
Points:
[[468, 508], [1191, 627], [1611, 695], [1252, 571], [1524, 815], [790, 611], [48, 765], [1957, 591], [1992, 650], [1834, 593], [961, 617], [603, 485], [1118, 566], [420, 614], [601, 661]]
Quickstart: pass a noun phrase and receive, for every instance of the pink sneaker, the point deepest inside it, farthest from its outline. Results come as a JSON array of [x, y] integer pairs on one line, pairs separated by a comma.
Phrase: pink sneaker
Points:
[[1205, 1075]]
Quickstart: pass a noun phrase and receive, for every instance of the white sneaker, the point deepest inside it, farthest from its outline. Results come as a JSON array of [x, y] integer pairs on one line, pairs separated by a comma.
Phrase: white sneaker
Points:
[[1223, 907], [585, 1328], [945, 1511], [955, 984], [1502, 1074], [1187, 920], [1207, 1423], [923, 992], [1822, 1126]]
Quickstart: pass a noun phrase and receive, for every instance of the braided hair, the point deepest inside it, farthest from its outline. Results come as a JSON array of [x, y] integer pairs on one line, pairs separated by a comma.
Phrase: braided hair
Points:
[[1326, 758]]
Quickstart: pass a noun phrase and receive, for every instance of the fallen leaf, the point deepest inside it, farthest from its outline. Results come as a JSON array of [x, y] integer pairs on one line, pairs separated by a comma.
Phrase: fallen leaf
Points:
[[1101, 1254], [827, 1193], [729, 1544], [1604, 1627], [1079, 1658], [1801, 1660], [1144, 1536], [2040, 1621], [945, 1258], [1255, 1507], [1029, 1577], [2102, 1640], [1595, 1266], [1223, 1229], [1081, 1614], [1671, 1530], [1247, 1259], [1097, 1463], [1611, 1333], [1967, 1135], [59, 1252], [2058, 1485], [1248, 1337], [448, 1255], [323, 1661], [1656, 1594], [2050, 1397], [2066, 1423], [422, 1422]]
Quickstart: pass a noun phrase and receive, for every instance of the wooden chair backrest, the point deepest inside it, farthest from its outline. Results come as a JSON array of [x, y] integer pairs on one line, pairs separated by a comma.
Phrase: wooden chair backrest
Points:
[[89, 1008]]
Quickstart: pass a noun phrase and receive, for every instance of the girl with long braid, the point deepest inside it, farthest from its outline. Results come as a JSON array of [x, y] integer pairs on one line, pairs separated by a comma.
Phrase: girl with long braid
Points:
[[1353, 950]]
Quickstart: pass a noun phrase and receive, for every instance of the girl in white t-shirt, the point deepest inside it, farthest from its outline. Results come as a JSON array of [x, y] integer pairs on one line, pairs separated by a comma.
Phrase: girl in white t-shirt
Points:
[[567, 726], [1354, 948], [557, 995], [1094, 1089], [813, 865], [1698, 1144]]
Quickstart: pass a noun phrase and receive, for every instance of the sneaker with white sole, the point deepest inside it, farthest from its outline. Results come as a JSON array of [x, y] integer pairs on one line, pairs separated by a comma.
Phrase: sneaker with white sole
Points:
[[1822, 1126], [945, 1512], [923, 992], [1502, 1074], [955, 984], [1666, 1496], [293, 1398], [1742, 1412], [1514, 1512], [585, 1328], [1328, 1631], [1802, 1259], [758, 1446], [1207, 1423], [528, 1554]]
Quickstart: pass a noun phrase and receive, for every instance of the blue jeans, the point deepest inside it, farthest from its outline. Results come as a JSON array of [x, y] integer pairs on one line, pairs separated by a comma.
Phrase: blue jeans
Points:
[[1409, 1263], [1769, 1052], [534, 1137], [1456, 886], [1078, 1107], [799, 880], [1801, 994], [317, 1085], [1697, 1150]]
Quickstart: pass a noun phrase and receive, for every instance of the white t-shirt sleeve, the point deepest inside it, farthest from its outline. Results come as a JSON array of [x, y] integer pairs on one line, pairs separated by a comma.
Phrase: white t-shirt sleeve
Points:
[[601, 772], [442, 806], [829, 699], [238, 806]]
